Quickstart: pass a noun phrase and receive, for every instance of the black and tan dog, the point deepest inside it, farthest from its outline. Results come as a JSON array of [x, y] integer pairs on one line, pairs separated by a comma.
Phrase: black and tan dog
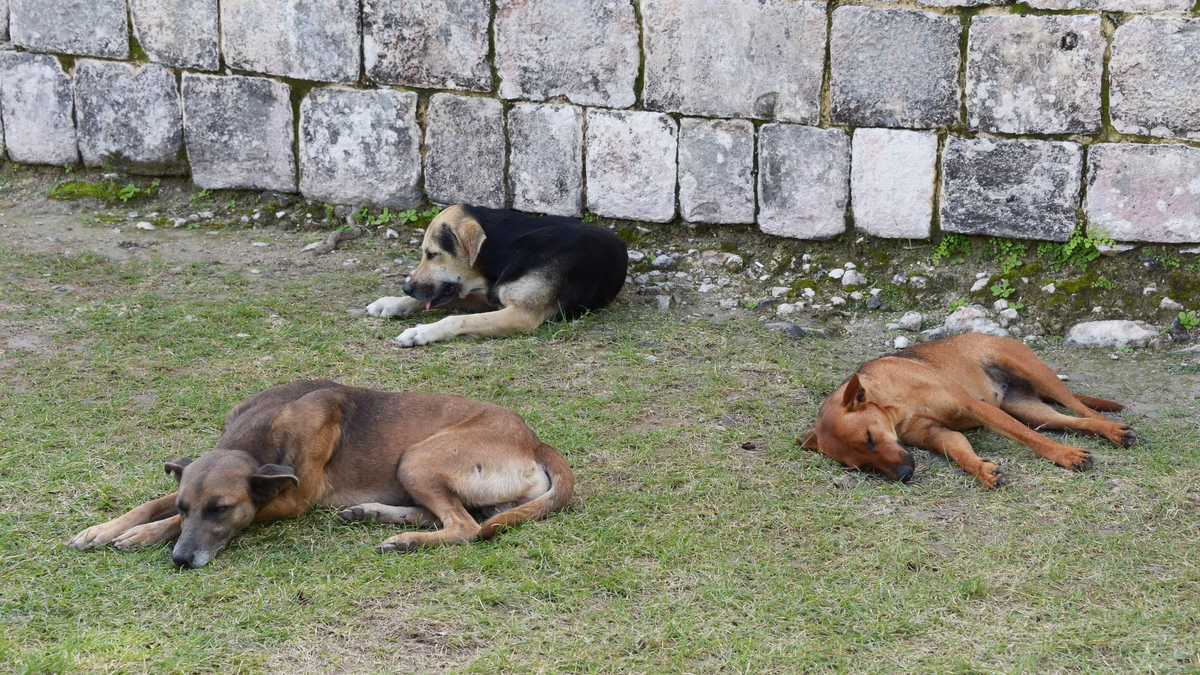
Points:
[[518, 270], [925, 395], [409, 458]]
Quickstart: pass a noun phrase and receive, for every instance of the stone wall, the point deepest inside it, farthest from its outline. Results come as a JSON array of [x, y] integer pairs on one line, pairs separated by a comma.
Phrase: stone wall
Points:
[[898, 118]]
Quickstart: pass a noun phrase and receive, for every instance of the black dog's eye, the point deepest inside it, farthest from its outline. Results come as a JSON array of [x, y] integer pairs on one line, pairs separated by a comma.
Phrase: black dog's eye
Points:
[[430, 255], [870, 442]]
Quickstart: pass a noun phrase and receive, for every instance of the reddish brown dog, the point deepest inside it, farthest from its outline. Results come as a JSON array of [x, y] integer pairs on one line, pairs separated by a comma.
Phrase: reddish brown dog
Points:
[[410, 458], [926, 395]]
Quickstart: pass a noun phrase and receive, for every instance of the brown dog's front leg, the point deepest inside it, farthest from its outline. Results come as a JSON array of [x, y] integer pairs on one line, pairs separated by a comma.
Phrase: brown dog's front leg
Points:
[[98, 535], [150, 533], [1075, 459], [956, 446]]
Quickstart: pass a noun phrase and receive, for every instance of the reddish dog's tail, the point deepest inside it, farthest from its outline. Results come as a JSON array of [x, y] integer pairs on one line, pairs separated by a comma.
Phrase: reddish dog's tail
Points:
[[1100, 405], [562, 487]]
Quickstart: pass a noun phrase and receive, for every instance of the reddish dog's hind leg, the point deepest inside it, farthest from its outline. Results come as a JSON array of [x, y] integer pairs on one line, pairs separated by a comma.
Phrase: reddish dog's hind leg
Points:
[[1038, 415], [1004, 424]]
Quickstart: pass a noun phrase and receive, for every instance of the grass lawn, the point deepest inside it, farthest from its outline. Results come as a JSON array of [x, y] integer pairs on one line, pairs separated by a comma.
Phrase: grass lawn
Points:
[[683, 552]]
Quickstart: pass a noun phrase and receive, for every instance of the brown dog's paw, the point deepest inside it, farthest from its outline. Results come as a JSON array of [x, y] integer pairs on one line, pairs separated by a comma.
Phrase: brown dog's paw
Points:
[[991, 475], [1075, 459], [96, 535], [354, 513], [401, 543], [1128, 437], [142, 535]]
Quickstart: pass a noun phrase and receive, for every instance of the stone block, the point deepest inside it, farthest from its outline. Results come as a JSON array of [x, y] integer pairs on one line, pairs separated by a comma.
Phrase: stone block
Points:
[[1155, 75], [434, 44], [464, 141], [545, 164], [179, 33], [79, 27], [960, 3], [38, 109], [1129, 6], [312, 40], [585, 50], [716, 165], [1035, 74], [129, 118], [4, 20], [894, 67], [360, 147], [803, 181], [1024, 189], [631, 165], [1145, 192], [239, 132], [735, 58], [892, 182]]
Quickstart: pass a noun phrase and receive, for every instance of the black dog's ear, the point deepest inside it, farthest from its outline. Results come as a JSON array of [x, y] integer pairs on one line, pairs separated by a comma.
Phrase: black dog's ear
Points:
[[270, 480], [470, 234], [177, 467], [809, 440]]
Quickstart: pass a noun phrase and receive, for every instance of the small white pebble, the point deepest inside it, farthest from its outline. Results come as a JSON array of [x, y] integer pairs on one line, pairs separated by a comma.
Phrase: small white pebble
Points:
[[144, 226]]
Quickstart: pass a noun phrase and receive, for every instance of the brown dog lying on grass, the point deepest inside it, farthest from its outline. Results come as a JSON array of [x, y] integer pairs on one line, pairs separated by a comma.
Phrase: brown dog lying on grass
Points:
[[925, 395], [409, 458]]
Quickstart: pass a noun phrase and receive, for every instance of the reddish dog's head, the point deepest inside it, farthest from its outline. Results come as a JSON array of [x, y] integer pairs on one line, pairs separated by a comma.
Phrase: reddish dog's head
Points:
[[859, 433]]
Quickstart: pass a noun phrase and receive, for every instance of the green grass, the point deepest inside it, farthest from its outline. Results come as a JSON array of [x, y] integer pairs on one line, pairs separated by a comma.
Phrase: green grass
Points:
[[682, 552]]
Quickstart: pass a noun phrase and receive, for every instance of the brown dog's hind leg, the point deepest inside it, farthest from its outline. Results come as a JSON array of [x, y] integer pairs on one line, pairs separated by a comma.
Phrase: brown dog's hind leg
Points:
[[384, 513], [458, 527], [1023, 363], [1038, 415], [1076, 459], [98, 535], [956, 446]]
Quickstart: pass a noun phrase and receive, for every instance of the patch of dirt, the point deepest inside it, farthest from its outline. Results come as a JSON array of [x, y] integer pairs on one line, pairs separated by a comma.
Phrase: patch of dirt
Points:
[[385, 636]]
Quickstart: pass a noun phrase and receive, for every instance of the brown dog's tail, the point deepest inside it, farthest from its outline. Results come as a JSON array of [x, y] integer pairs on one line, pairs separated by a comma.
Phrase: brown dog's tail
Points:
[[1100, 405], [562, 487]]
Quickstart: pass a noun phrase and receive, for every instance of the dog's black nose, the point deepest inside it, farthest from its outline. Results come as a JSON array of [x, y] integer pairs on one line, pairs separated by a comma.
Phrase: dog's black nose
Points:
[[407, 288], [904, 473], [182, 560]]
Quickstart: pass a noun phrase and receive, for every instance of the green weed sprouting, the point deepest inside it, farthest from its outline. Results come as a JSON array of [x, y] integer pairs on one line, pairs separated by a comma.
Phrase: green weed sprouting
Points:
[[1189, 320], [952, 246]]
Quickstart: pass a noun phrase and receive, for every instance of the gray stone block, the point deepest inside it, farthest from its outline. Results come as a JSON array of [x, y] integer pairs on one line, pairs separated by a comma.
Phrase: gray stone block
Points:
[[179, 33], [960, 3], [360, 147], [584, 50], [1155, 75], [803, 181], [631, 165], [129, 118], [716, 165], [1130, 6], [1024, 189], [464, 141], [892, 182], [38, 110], [1035, 74], [239, 132], [894, 67], [1144, 192], [545, 164], [80, 27], [314, 40], [4, 20], [735, 58], [435, 44]]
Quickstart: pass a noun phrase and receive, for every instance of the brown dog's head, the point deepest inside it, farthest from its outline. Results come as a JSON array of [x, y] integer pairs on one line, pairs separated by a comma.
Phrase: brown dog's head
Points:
[[219, 494], [447, 270], [858, 433]]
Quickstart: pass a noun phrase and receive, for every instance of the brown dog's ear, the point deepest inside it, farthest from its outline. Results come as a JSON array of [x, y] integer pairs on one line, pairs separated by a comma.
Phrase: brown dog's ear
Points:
[[270, 480], [809, 441], [470, 234], [854, 393], [177, 467]]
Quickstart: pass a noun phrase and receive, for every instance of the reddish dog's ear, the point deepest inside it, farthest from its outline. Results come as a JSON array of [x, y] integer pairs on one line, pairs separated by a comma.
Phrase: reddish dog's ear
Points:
[[176, 468], [809, 441], [854, 393], [471, 236], [270, 480]]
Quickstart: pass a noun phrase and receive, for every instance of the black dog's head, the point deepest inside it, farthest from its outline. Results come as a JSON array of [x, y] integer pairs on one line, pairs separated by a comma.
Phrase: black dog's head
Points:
[[219, 495], [447, 270]]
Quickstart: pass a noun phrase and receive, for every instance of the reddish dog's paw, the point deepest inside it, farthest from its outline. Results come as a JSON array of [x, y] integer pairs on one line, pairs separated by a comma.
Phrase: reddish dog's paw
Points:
[[991, 475], [1075, 459], [1128, 437]]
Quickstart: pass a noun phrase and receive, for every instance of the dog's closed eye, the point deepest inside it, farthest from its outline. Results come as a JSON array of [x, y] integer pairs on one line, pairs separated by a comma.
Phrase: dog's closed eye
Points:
[[870, 441]]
